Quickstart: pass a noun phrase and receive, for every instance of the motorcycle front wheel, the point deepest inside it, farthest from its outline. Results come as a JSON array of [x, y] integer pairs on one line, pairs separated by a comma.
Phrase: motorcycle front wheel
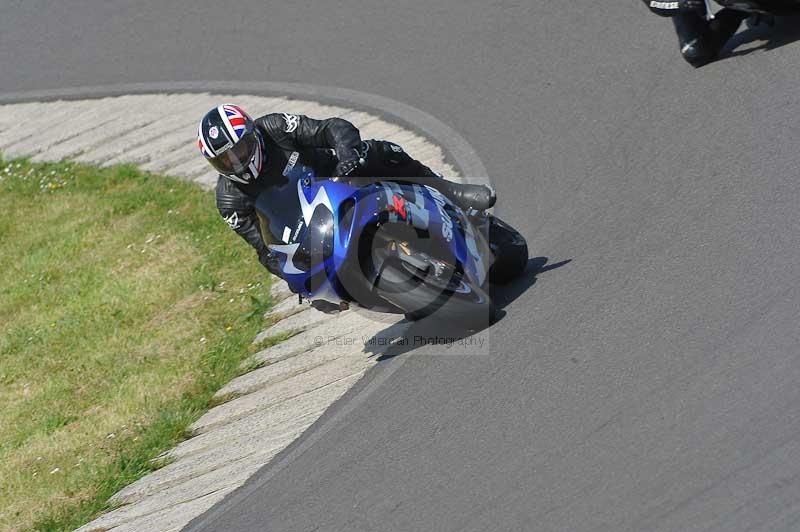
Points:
[[460, 303]]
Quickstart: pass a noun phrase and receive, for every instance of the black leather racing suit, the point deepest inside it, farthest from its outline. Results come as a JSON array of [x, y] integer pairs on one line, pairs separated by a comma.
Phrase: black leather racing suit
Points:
[[296, 139]]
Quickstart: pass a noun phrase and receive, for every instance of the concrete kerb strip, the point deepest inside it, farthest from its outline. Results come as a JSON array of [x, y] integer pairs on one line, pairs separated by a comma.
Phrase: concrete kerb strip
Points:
[[129, 125], [297, 380], [457, 150]]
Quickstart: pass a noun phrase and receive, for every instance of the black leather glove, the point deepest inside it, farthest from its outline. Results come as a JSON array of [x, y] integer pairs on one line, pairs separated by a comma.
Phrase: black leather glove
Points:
[[347, 167], [270, 261]]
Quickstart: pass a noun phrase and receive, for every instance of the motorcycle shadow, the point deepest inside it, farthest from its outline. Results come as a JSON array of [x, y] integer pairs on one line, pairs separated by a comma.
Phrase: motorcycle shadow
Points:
[[786, 31], [454, 339], [504, 295]]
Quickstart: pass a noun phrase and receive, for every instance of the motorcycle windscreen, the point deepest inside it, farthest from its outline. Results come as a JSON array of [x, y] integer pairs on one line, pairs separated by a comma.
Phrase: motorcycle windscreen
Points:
[[280, 218]]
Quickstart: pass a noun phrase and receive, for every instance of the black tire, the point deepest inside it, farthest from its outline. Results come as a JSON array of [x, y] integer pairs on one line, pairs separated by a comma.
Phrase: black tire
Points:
[[466, 306], [510, 249]]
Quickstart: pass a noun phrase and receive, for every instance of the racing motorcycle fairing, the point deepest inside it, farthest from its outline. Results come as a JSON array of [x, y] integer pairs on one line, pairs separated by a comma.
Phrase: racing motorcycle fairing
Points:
[[330, 235]]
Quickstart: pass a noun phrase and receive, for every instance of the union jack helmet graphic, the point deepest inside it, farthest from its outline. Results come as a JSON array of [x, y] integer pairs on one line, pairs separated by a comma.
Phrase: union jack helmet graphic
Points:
[[228, 140]]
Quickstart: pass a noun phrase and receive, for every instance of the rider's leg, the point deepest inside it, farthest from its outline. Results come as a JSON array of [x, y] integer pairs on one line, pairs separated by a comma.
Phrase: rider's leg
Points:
[[701, 40], [386, 159]]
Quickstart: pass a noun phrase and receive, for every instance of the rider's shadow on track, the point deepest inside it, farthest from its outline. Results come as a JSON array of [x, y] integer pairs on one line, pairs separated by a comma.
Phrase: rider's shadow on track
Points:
[[785, 31], [426, 329]]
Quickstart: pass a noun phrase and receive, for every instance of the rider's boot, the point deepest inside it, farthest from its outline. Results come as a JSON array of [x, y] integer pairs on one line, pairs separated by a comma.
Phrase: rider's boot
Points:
[[694, 39], [466, 196], [701, 40]]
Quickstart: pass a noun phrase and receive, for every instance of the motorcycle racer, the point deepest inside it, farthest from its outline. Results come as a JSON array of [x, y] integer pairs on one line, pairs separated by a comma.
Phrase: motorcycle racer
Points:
[[252, 155]]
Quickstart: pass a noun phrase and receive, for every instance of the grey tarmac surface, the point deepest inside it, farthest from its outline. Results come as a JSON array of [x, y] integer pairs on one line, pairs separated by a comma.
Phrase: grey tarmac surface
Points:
[[649, 384]]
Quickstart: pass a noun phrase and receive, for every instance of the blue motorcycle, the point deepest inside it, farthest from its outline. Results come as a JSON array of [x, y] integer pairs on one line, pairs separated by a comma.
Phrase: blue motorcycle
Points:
[[388, 246]]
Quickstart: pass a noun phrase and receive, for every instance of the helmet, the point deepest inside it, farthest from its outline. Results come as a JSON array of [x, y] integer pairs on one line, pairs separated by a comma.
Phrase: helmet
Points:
[[228, 139]]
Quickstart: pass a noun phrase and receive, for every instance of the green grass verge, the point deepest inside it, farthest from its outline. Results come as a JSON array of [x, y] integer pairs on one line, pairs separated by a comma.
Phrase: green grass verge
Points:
[[125, 303]]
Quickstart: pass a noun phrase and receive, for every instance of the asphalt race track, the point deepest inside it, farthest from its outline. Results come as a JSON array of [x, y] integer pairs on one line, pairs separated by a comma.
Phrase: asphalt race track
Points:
[[649, 384]]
